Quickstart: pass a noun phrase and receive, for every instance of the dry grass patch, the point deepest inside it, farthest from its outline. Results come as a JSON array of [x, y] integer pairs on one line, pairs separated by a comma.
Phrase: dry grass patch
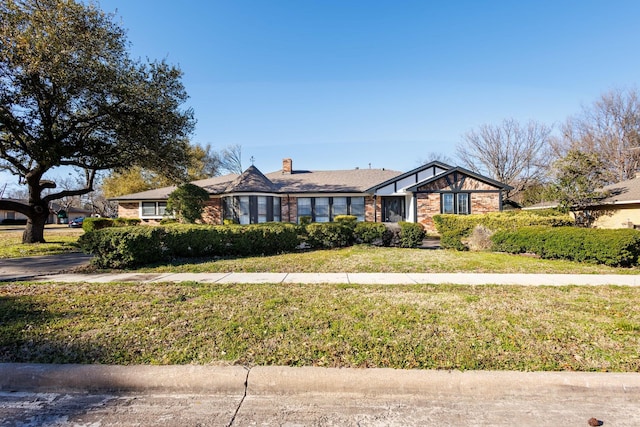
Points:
[[421, 326], [59, 240]]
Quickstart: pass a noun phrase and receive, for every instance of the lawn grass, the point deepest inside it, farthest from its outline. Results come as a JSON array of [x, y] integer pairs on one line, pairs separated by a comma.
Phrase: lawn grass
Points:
[[417, 326], [366, 259], [59, 240]]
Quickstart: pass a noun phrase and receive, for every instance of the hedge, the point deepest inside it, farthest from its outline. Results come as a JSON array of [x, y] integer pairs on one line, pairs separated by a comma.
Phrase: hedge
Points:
[[610, 247], [91, 223], [132, 246], [329, 235], [372, 233], [453, 228]]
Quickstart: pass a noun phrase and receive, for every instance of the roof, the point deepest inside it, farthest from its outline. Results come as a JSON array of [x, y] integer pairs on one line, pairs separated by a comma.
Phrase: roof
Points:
[[623, 192], [434, 164], [279, 182], [463, 171]]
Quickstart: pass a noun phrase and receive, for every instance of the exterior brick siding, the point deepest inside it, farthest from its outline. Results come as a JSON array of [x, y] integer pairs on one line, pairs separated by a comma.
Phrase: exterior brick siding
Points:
[[212, 213], [129, 210]]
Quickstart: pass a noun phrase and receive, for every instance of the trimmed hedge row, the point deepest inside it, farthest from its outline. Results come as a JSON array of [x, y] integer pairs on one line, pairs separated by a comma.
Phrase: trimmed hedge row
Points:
[[123, 247], [91, 224], [611, 247], [454, 228]]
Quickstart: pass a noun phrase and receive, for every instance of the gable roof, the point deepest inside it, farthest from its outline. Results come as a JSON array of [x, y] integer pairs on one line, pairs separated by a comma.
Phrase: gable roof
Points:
[[477, 176], [434, 164]]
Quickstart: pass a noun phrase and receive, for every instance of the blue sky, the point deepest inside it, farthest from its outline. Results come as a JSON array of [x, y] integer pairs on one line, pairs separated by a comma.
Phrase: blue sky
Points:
[[338, 84]]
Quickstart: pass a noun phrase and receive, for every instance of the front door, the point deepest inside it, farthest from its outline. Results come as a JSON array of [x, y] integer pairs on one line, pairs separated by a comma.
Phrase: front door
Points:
[[393, 209]]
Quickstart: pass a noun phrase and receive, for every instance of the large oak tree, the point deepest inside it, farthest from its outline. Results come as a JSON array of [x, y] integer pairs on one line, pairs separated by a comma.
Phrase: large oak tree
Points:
[[71, 96]]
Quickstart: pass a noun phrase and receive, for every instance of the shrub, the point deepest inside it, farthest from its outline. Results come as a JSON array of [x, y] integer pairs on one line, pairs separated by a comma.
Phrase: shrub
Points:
[[411, 234], [453, 228], [90, 223], [130, 246], [611, 247], [372, 233], [126, 222], [122, 247], [329, 235]]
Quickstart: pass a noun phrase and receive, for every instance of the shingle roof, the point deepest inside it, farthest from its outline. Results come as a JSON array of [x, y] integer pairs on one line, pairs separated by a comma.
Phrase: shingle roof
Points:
[[336, 181], [299, 181], [625, 191]]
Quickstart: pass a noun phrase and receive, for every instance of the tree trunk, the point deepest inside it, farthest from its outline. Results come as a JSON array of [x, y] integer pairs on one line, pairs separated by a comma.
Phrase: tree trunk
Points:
[[34, 233]]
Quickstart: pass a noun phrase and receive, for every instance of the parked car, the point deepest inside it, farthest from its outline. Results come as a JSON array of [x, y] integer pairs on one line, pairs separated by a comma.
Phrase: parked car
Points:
[[76, 223]]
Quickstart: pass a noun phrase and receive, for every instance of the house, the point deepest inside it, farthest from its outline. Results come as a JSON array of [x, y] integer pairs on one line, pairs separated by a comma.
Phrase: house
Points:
[[375, 195], [621, 208], [12, 217]]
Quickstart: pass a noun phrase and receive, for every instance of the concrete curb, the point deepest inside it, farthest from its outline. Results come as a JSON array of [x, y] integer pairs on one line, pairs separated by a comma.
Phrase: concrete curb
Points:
[[278, 380], [183, 378]]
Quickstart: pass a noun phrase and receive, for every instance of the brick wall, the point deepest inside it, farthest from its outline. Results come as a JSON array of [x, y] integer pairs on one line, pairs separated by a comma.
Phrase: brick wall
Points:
[[289, 208], [129, 210], [485, 202], [212, 213], [428, 205]]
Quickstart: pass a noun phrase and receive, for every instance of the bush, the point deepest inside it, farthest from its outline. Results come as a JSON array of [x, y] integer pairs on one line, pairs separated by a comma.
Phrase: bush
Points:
[[372, 233], [453, 228], [123, 247], [90, 223], [126, 222], [131, 246], [329, 235], [610, 247], [411, 234]]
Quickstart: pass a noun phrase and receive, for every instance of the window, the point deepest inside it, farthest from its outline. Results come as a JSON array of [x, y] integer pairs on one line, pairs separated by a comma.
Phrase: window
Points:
[[463, 203], [325, 209], [447, 204], [276, 209], [153, 209], [455, 203], [244, 214], [262, 209], [357, 207], [339, 206], [304, 207], [322, 209], [251, 209]]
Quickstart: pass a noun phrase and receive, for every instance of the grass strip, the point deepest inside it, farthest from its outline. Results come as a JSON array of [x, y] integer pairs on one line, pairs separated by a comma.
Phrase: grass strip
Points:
[[417, 326]]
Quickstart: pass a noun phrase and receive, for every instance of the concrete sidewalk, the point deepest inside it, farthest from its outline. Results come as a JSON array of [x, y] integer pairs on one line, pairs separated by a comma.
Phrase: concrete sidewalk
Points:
[[234, 395], [356, 278]]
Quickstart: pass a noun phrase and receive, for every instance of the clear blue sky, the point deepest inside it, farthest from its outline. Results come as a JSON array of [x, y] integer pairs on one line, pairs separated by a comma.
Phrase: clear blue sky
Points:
[[339, 84]]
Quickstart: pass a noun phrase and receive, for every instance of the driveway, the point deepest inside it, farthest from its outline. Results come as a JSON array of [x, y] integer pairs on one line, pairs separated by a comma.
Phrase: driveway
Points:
[[27, 267]]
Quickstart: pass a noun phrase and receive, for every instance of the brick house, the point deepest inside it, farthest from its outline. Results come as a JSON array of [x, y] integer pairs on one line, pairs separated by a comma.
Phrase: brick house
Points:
[[375, 195]]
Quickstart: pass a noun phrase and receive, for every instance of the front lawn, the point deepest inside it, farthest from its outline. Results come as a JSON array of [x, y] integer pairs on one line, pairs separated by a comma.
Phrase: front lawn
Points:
[[59, 240], [416, 326], [364, 259]]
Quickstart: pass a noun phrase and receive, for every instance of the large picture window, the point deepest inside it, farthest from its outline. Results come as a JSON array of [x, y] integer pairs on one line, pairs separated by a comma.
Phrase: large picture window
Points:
[[251, 209], [455, 203], [153, 209], [325, 209]]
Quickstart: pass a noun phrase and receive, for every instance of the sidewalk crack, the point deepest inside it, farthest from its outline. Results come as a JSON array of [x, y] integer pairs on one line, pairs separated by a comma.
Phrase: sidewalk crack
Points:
[[246, 386]]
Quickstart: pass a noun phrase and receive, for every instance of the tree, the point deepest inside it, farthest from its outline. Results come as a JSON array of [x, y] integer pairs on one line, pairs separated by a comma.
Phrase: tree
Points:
[[71, 96], [231, 158], [203, 163], [611, 129], [509, 152], [578, 178], [187, 202]]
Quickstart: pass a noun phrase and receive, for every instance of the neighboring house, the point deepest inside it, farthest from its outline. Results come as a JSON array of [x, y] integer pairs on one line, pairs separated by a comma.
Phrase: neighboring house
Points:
[[53, 210], [374, 195], [621, 208]]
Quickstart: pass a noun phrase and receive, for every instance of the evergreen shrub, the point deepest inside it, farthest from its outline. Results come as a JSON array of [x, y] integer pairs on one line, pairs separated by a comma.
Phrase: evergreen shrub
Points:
[[454, 228], [411, 234], [619, 247]]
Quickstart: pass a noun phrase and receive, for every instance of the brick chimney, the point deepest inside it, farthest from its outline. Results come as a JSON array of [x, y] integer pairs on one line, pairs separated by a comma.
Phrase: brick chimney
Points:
[[287, 166]]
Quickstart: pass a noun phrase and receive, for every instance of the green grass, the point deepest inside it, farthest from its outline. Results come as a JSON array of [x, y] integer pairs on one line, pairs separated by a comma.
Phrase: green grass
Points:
[[418, 326], [59, 240], [363, 259]]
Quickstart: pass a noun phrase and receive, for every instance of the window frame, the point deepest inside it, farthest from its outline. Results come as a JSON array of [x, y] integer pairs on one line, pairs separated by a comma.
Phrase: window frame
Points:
[[454, 203]]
